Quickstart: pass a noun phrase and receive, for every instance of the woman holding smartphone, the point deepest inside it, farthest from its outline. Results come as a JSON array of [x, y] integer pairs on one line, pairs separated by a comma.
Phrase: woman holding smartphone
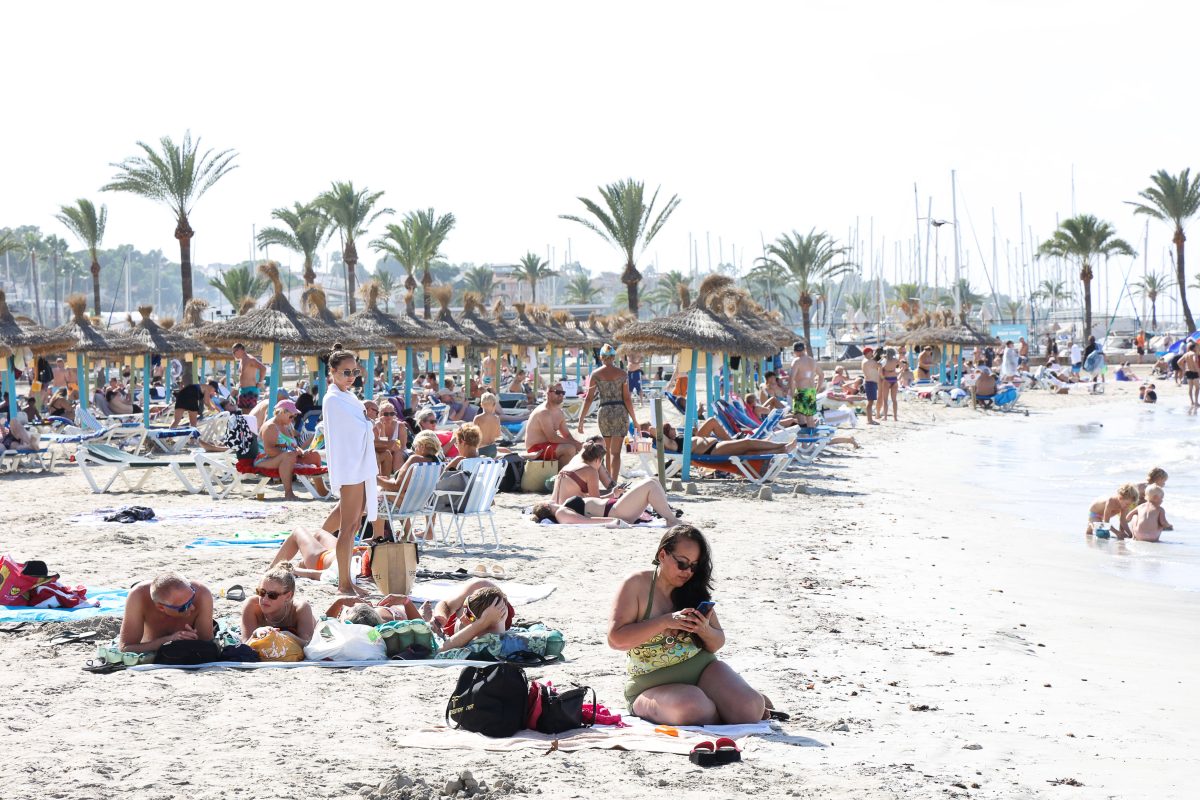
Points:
[[350, 451], [674, 675]]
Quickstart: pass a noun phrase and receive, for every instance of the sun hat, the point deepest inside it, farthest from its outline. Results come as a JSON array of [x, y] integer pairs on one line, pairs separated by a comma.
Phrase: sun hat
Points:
[[608, 350], [286, 405]]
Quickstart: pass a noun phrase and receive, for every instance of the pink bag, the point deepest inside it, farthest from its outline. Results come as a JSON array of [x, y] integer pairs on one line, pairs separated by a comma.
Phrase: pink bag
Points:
[[31, 584]]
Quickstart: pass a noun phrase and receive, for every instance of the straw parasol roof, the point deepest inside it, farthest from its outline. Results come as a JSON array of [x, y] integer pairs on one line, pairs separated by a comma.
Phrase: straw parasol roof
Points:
[[401, 331], [275, 322], [523, 331], [434, 328], [962, 335], [351, 336], [450, 331], [738, 306], [481, 332], [87, 338], [161, 339], [19, 333], [561, 325], [695, 327]]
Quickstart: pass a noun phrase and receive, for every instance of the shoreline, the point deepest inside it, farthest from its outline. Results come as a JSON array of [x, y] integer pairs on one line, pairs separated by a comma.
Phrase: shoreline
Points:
[[854, 584]]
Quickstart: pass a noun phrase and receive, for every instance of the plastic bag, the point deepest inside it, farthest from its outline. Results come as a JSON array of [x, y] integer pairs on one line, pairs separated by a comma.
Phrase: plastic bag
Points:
[[272, 644], [335, 640]]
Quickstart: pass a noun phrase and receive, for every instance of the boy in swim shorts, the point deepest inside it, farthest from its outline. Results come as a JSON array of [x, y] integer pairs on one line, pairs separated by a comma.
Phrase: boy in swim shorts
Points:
[[871, 374]]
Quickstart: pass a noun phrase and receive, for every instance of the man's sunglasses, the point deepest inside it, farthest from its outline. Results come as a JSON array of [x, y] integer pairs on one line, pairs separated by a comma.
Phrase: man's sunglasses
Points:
[[269, 595], [557, 391], [179, 609]]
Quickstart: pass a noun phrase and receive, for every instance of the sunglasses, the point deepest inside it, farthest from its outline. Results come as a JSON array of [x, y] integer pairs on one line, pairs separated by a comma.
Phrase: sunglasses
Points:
[[269, 595], [683, 565], [388, 414], [351, 373], [180, 608], [557, 391]]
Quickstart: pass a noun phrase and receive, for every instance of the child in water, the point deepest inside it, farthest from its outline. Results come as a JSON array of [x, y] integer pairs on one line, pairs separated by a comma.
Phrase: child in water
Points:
[[1119, 505], [1149, 520]]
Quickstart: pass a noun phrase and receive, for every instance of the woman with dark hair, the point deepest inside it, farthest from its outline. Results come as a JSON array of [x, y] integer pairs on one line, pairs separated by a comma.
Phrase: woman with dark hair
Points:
[[661, 618], [350, 450]]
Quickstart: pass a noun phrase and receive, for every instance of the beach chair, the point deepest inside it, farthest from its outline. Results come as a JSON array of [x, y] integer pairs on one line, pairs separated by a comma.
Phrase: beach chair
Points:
[[223, 476], [414, 498], [91, 456], [759, 470], [14, 459], [1005, 399], [477, 501]]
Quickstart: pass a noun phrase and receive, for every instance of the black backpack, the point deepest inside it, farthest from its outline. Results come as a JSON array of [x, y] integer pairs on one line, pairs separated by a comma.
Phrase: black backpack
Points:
[[514, 472], [188, 652], [489, 700]]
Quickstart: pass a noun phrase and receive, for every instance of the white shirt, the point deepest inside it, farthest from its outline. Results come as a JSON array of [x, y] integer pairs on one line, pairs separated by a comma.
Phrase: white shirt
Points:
[[350, 444], [1076, 353], [1009, 364]]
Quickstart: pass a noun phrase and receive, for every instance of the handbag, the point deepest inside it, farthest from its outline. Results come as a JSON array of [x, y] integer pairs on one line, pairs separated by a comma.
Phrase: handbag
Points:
[[552, 712], [490, 700], [536, 476], [394, 566]]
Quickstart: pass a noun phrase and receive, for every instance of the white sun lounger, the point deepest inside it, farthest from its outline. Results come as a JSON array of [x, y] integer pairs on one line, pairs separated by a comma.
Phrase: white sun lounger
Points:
[[92, 455]]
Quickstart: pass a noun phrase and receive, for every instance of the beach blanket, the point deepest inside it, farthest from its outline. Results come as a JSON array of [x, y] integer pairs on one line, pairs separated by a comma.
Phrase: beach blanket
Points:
[[112, 604], [639, 735], [657, 522], [518, 594], [256, 541], [244, 665], [215, 514]]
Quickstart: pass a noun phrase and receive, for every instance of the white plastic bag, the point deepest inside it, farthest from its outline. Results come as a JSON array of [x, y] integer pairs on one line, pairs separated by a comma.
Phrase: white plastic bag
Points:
[[335, 640]]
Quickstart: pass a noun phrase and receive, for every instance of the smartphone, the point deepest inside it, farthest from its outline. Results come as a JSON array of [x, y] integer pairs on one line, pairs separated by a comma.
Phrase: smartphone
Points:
[[706, 606]]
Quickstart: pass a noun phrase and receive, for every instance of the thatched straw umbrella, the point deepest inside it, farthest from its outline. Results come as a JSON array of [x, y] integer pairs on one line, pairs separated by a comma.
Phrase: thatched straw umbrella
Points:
[[696, 328], [18, 334], [88, 340], [484, 333], [275, 325], [159, 340], [402, 331], [946, 334]]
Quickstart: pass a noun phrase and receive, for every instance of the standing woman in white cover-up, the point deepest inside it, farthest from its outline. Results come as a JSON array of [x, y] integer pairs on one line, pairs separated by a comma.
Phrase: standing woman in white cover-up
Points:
[[350, 450]]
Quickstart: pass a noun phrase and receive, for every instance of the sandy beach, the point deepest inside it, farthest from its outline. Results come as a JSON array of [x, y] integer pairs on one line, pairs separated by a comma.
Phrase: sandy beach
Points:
[[925, 646]]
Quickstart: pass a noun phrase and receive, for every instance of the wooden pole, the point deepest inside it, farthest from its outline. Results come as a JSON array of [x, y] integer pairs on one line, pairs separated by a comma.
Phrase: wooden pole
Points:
[[408, 376], [659, 456], [369, 376]]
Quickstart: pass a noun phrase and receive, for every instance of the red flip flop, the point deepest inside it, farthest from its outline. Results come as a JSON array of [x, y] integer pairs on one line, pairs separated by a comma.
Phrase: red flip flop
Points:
[[727, 751], [704, 754]]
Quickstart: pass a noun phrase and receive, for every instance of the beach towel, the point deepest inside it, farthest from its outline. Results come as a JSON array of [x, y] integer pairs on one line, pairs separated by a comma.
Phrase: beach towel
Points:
[[251, 665], [111, 604], [518, 594], [637, 735], [220, 513], [256, 541], [657, 522]]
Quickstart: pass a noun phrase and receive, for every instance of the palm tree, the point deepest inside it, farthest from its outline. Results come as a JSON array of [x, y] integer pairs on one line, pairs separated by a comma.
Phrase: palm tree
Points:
[[387, 287], [83, 221], [58, 249], [33, 246], [351, 212], [1085, 238], [304, 232], [968, 298], [908, 297], [239, 283], [481, 281], [625, 223], [1174, 199], [581, 291], [1150, 287], [1053, 292], [429, 232], [808, 259], [1013, 307], [768, 283], [532, 268], [177, 176], [399, 242]]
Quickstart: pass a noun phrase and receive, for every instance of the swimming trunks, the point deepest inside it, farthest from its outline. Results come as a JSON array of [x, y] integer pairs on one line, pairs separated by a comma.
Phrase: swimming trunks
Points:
[[804, 402], [488, 450], [1094, 517], [635, 380], [889, 380], [871, 390], [1191, 376], [547, 450], [247, 397]]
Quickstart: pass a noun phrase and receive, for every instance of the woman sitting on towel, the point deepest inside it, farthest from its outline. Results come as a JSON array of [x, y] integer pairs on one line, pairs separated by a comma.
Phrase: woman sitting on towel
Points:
[[674, 675], [627, 506], [275, 605], [714, 445]]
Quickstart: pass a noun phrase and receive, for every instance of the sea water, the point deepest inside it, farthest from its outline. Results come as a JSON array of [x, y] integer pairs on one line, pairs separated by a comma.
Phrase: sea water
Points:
[[1041, 473]]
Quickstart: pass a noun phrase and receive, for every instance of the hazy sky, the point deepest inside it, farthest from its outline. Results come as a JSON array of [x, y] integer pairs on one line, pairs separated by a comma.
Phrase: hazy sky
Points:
[[763, 117]]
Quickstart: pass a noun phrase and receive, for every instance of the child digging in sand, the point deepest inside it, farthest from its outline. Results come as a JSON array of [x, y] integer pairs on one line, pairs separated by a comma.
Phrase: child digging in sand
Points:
[[1105, 508], [1149, 520]]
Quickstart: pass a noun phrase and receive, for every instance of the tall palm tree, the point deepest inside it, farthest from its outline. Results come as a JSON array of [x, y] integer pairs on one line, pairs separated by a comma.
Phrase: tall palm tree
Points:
[[1013, 307], [400, 242], [87, 225], [481, 281], [351, 212], [305, 229], [908, 297], [1086, 238], [176, 175], [1173, 199], [580, 290], [387, 288], [626, 223], [239, 283], [1053, 292], [33, 247], [531, 269], [1150, 287], [430, 232], [808, 258], [769, 283]]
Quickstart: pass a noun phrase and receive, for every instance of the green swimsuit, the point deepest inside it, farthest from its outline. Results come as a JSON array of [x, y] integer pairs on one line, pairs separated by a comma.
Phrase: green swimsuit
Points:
[[664, 659]]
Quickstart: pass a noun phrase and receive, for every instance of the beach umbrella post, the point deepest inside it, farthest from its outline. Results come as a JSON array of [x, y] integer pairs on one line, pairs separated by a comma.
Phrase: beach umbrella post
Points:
[[276, 374], [80, 379], [408, 375], [369, 376], [322, 376], [10, 382], [441, 359], [145, 390], [728, 377], [578, 369], [689, 421]]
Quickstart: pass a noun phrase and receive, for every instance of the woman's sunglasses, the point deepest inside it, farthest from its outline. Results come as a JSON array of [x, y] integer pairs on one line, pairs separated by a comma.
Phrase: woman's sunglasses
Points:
[[683, 565], [269, 595], [388, 414], [350, 373]]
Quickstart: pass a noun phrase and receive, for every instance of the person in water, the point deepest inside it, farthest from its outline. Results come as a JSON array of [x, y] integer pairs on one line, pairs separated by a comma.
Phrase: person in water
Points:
[[1104, 509], [674, 675], [1149, 520]]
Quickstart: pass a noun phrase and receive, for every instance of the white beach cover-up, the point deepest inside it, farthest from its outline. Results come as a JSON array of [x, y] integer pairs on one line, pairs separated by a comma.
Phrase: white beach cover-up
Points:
[[350, 445]]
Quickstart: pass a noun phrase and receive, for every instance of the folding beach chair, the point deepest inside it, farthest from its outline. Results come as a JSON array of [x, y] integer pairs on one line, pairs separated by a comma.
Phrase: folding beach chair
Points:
[[477, 501], [413, 499], [93, 455]]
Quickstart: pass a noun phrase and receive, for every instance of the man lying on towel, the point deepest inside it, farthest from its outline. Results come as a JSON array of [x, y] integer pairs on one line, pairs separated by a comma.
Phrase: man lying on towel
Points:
[[167, 609]]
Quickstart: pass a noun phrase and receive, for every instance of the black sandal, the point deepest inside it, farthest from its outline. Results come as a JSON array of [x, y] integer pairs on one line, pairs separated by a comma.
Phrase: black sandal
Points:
[[102, 667]]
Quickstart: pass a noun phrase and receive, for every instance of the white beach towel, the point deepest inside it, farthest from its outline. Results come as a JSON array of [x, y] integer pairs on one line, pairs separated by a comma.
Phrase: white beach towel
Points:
[[639, 735], [654, 523], [244, 665], [215, 514], [518, 594]]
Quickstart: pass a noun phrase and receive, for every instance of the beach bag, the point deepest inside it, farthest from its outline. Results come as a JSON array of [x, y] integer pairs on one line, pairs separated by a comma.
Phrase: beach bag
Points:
[[275, 645], [394, 566], [537, 475], [188, 651], [551, 712], [489, 700], [514, 471], [18, 581], [540, 640], [335, 640]]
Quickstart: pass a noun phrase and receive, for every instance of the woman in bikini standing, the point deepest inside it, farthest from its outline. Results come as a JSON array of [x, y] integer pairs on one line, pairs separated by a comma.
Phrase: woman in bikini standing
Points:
[[925, 364], [890, 389], [610, 384]]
